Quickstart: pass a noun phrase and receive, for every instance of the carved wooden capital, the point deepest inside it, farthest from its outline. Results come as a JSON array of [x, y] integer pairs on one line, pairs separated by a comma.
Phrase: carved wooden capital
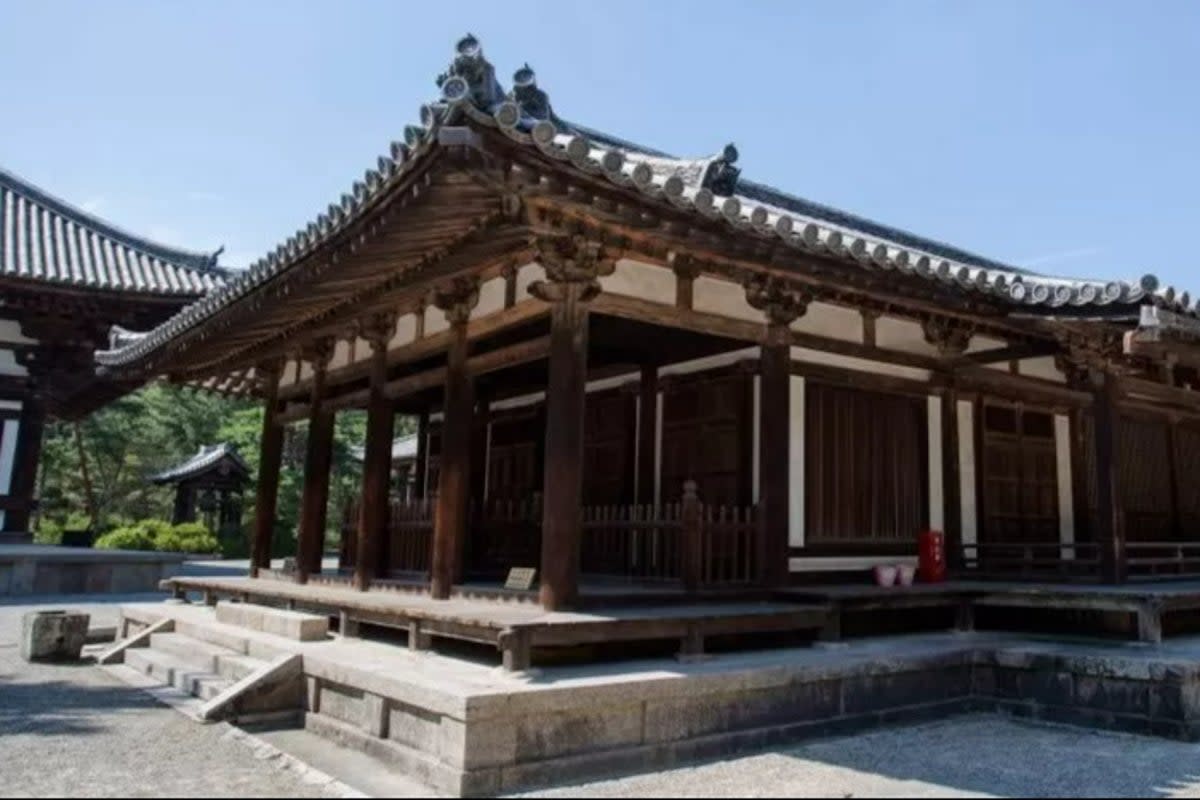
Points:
[[457, 298], [782, 303], [1085, 359], [378, 328], [686, 267], [319, 352], [950, 337], [573, 259]]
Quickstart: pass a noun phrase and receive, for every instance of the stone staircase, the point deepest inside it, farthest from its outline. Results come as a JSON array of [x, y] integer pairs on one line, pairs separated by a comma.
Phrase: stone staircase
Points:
[[231, 670]]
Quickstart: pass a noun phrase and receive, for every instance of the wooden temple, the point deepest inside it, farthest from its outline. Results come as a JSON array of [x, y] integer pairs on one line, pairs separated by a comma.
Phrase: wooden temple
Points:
[[633, 368], [67, 280], [208, 486]]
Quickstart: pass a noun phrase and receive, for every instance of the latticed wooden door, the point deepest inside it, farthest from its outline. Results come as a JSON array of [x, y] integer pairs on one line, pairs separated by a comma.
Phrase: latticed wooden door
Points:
[[1019, 475]]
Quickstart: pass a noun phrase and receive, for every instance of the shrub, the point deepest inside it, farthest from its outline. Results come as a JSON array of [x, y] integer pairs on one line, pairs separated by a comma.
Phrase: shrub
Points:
[[189, 537], [131, 537]]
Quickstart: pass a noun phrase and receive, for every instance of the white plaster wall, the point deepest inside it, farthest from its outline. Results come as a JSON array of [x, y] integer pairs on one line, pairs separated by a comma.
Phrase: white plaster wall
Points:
[[527, 275], [1066, 497], [638, 279], [406, 331], [894, 333], [8, 453], [10, 333], [306, 371], [797, 416], [714, 296], [834, 322], [341, 355], [966, 472], [1043, 368], [937, 486], [980, 344], [491, 298], [435, 320], [861, 364], [9, 365]]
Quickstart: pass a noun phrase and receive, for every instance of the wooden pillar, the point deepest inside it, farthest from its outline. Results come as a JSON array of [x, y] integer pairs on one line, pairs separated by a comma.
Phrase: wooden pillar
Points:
[[421, 467], [572, 266], [377, 461], [475, 544], [782, 304], [454, 472], [270, 457], [317, 461], [1110, 518], [775, 427], [1178, 533], [647, 434], [25, 466]]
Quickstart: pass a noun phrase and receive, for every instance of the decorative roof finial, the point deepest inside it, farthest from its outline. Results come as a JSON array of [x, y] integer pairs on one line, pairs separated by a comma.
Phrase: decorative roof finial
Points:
[[470, 76], [721, 176]]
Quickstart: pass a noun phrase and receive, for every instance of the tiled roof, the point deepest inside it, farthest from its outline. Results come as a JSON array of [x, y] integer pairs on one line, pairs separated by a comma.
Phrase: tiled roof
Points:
[[47, 240], [710, 187], [207, 457]]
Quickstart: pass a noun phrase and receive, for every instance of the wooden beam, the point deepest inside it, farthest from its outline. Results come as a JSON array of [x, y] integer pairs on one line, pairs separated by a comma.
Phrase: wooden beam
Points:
[[998, 355], [399, 388], [1129, 386]]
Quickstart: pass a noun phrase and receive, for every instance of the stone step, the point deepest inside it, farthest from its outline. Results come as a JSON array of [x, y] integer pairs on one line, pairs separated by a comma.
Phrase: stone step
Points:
[[193, 651], [232, 638], [170, 671], [294, 625], [205, 656]]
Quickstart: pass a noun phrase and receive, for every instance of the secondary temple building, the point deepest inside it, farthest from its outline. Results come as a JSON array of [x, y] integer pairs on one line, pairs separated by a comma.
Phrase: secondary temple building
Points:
[[67, 277], [629, 365]]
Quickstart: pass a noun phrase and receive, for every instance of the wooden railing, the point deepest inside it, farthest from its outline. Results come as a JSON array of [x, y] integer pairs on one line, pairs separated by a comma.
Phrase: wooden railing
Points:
[[700, 546], [1031, 560], [1150, 560], [410, 539], [635, 543], [508, 534]]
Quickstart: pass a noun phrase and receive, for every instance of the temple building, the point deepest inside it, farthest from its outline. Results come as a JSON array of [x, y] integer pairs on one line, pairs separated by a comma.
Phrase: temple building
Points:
[[208, 486], [67, 279], [636, 367]]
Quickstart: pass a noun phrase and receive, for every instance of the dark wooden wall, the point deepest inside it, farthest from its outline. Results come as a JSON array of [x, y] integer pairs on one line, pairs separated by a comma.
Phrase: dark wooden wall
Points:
[[867, 469], [1018, 474], [707, 437]]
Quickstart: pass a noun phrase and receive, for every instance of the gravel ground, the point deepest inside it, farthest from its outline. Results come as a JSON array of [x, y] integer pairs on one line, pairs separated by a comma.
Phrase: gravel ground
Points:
[[76, 731]]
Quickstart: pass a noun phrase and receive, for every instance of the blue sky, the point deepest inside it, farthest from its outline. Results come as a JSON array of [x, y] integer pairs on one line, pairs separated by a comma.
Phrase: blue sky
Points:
[[1062, 136]]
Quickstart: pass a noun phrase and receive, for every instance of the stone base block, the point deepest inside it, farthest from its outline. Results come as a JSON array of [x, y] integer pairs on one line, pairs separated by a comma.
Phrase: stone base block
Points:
[[278, 622], [53, 635]]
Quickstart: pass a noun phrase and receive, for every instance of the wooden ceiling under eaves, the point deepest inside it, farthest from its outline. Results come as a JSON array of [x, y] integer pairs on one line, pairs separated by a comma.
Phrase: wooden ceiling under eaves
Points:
[[445, 221]]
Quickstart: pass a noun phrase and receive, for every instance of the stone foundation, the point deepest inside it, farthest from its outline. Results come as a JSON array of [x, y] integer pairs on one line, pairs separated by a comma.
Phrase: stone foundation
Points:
[[33, 569], [469, 729]]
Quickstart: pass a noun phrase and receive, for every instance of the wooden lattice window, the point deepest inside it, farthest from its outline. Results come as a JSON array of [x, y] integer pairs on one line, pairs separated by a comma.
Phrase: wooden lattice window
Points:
[[1018, 475]]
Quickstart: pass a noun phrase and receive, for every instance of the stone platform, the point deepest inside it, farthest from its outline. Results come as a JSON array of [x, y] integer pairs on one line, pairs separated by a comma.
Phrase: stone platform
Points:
[[27, 569], [469, 728]]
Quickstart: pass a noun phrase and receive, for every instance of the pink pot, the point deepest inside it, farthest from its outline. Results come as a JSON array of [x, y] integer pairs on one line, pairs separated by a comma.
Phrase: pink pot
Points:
[[885, 575], [906, 574]]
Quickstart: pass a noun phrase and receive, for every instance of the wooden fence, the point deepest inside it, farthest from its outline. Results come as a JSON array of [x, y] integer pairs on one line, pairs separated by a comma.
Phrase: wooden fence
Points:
[[1031, 561], [700, 546]]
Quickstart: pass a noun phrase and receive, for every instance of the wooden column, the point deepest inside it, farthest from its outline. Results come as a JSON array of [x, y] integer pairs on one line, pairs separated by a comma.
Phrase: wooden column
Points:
[[1110, 518], [375, 515], [317, 461], [454, 472], [572, 266], [25, 463], [782, 305], [421, 467], [270, 457], [775, 434], [647, 434], [478, 480]]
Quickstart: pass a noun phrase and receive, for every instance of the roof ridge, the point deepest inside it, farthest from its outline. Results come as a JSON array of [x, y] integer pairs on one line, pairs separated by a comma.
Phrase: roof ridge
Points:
[[190, 259]]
